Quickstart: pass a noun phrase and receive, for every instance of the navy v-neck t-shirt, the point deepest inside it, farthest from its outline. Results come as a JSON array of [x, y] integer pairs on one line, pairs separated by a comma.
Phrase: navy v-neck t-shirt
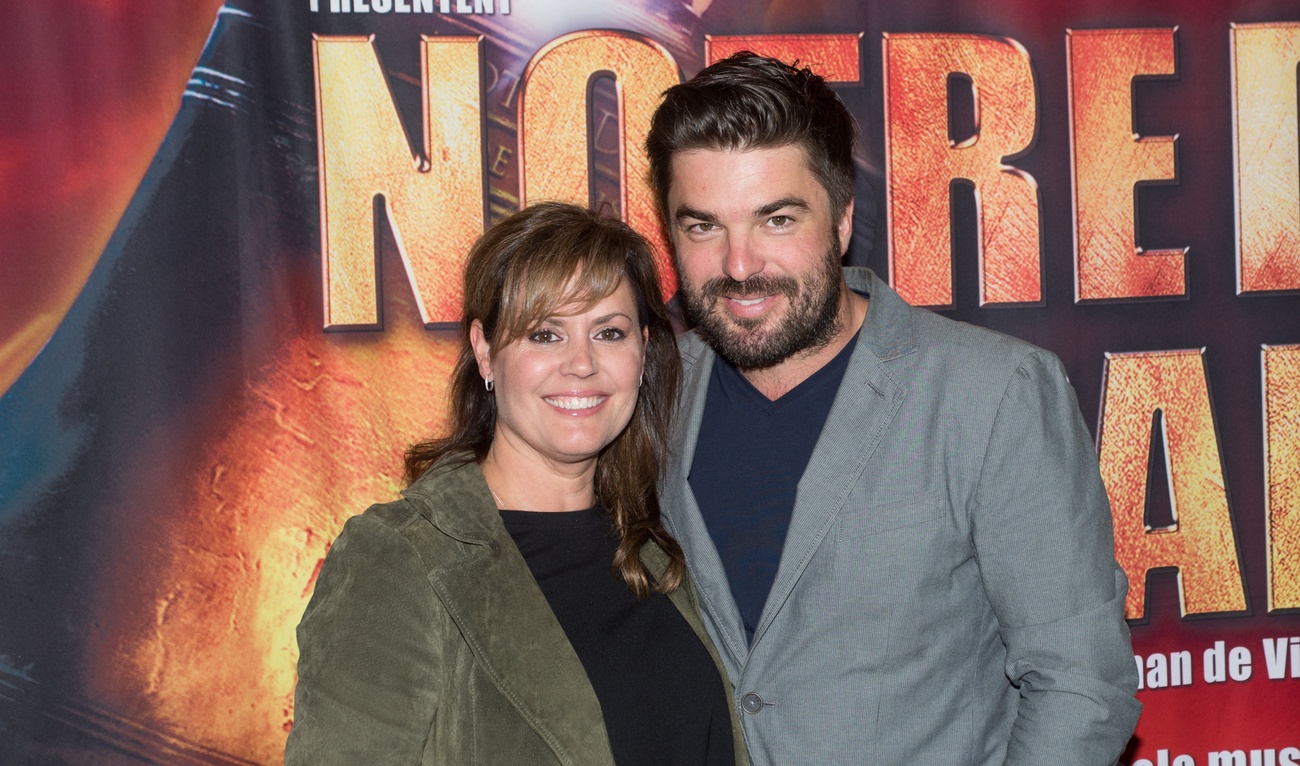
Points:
[[749, 459]]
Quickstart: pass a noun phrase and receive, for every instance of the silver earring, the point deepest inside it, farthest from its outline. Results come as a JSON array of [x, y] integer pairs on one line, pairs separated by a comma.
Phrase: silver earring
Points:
[[642, 383], [488, 385]]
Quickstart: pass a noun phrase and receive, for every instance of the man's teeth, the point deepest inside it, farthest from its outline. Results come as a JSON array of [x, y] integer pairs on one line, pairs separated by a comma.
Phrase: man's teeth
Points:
[[749, 301], [574, 402]]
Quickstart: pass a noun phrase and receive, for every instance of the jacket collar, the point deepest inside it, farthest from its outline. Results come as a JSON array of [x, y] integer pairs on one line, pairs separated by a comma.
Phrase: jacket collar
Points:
[[504, 617], [890, 327], [455, 498]]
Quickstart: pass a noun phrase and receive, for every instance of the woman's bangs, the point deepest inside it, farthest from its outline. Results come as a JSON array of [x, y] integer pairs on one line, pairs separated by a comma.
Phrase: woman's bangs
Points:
[[564, 283]]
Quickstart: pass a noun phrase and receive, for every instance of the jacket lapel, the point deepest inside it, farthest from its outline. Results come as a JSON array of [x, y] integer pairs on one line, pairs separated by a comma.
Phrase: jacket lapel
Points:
[[867, 400], [681, 513], [507, 622]]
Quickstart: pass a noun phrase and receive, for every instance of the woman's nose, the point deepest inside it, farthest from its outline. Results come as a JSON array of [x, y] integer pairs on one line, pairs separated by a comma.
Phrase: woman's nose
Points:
[[580, 360]]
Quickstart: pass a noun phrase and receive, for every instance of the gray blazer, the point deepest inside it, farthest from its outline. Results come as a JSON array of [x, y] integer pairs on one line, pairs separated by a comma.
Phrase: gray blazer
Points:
[[948, 591]]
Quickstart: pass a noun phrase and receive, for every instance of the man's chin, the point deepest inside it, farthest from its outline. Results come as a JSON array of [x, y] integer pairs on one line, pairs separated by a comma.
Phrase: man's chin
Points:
[[745, 350]]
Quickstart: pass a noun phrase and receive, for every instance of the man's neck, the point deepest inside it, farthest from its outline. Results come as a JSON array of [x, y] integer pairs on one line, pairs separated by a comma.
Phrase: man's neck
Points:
[[775, 382]]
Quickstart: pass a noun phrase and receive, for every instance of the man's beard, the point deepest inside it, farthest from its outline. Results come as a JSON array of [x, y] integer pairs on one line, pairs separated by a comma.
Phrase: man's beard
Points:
[[810, 322]]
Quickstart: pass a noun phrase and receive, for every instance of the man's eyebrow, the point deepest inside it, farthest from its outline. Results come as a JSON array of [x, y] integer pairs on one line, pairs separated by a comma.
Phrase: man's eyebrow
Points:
[[784, 202], [686, 211]]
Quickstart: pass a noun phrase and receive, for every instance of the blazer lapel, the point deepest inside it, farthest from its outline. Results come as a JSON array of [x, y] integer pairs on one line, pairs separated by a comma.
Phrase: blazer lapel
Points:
[[867, 400], [681, 513], [509, 626]]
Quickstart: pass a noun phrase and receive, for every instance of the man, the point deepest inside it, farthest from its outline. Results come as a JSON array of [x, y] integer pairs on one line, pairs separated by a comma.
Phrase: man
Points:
[[895, 521]]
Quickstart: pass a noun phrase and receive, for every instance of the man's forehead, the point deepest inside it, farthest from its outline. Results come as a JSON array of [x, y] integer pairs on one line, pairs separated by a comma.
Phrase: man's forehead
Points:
[[722, 151], [703, 177]]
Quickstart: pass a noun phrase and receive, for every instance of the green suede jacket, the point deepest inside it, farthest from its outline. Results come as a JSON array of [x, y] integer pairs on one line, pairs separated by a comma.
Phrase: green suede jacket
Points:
[[428, 641]]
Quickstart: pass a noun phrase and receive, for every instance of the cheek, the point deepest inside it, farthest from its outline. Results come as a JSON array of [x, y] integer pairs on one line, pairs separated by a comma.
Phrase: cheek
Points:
[[693, 258], [624, 368], [802, 257], [523, 370]]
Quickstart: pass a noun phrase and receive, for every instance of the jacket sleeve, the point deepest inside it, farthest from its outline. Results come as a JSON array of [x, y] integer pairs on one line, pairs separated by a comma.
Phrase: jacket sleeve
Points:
[[1045, 546], [368, 664]]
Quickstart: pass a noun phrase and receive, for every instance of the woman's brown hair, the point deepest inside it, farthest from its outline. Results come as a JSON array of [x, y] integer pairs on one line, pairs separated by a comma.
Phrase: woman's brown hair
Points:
[[541, 259]]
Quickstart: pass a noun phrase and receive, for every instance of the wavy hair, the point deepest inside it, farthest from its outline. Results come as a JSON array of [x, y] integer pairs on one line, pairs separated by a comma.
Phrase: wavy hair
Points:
[[517, 274]]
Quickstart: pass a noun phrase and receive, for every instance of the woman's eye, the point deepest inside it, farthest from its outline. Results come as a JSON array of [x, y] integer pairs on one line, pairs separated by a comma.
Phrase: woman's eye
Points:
[[611, 333], [543, 336]]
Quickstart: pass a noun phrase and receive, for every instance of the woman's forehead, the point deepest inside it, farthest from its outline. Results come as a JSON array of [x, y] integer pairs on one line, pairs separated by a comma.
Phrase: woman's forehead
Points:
[[577, 298]]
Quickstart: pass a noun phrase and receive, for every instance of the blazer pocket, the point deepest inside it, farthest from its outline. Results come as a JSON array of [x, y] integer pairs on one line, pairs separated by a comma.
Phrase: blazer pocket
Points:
[[894, 514]]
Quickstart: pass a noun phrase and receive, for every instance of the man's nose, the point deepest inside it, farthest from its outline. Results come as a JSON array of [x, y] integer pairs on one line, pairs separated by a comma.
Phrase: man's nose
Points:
[[741, 260]]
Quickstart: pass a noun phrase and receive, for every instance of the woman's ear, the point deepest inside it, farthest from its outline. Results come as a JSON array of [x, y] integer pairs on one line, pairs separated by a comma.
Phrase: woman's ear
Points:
[[482, 349], [645, 349]]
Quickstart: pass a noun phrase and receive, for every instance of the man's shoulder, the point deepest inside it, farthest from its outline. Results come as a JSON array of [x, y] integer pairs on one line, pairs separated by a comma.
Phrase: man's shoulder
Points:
[[961, 337], [937, 338], [981, 358]]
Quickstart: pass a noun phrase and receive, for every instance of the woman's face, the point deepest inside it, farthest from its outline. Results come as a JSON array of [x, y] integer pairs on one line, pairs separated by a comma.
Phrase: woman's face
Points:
[[568, 387]]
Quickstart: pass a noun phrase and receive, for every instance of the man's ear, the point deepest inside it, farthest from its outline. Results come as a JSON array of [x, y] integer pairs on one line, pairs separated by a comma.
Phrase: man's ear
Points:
[[482, 349], [845, 227]]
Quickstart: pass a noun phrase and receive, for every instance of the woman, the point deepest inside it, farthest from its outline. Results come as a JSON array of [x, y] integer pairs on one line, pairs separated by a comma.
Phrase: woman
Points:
[[477, 620]]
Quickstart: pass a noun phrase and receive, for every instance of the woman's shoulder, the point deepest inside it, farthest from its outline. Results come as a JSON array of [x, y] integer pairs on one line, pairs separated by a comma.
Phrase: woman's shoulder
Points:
[[439, 517], [450, 481], [427, 511]]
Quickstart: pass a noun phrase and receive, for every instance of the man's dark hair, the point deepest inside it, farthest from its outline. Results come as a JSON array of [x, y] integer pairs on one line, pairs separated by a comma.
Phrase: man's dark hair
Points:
[[747, 101]]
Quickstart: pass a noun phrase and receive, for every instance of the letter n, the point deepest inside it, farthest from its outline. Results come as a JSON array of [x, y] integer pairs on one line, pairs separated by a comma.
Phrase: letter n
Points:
[[433, 198]]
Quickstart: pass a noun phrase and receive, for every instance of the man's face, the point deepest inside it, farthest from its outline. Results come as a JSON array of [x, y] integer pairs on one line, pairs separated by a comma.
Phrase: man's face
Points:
[[758, 252]]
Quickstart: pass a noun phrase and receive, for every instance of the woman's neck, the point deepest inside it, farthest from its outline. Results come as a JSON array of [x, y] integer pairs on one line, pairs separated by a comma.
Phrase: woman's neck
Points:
[[521, 484]]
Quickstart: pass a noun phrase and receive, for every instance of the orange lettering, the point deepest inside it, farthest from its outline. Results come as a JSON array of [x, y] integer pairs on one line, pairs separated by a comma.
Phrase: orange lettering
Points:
[[834, 57], [1201, 544], [364, 154], [1266, 150], [554, 145], [1108, 159], [1282, 473], [921, 161]]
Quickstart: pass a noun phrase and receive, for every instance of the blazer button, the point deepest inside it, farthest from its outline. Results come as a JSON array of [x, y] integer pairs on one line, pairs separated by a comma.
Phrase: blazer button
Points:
[[751, 703]]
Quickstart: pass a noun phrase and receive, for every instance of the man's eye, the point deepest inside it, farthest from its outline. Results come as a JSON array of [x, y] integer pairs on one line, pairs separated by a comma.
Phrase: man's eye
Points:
[[702, 227], [779, 220], [543, 336]]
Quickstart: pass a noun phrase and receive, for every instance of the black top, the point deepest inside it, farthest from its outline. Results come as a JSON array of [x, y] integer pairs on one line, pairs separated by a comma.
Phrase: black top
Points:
[[749, 458], [660, 692]]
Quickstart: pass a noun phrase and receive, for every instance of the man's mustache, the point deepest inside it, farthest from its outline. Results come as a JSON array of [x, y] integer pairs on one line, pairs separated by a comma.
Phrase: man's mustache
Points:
[[726, 287]]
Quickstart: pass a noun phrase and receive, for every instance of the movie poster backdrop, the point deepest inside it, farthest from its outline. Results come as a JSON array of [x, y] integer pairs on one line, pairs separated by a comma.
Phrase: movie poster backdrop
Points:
[[225, 313]]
